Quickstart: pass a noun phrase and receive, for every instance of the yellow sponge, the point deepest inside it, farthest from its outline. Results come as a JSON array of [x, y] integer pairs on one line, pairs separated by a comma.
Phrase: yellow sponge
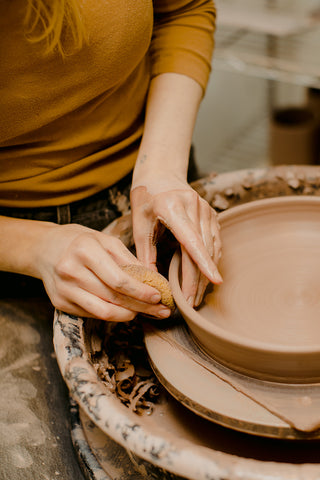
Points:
[[154, 279]]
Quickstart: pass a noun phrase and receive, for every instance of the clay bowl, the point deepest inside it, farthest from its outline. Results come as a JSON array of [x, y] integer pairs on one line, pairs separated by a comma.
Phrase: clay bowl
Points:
[[264, 320]]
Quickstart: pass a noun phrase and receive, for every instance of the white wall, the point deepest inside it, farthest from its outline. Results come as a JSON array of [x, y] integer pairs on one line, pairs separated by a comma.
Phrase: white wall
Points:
[[232, 126], [232, 104]]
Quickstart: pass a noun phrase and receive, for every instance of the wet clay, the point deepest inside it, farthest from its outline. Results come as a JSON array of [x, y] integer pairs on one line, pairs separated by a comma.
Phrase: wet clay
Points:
[[271, 270], [264, 318]]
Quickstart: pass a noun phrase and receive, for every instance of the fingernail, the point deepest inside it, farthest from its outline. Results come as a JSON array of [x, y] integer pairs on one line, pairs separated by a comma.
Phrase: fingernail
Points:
[[217, 277], [190, 301], [156, 298], [198, 300], [164, 312]]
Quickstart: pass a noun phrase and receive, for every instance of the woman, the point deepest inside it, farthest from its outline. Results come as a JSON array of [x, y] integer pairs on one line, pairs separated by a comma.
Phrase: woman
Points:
[[89, 91]]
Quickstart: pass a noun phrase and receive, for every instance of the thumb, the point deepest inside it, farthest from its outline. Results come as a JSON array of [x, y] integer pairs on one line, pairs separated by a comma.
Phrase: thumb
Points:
[[143, 235]]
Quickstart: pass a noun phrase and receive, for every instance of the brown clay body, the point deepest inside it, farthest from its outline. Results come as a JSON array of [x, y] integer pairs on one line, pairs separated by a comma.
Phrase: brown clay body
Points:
[[264, 320]]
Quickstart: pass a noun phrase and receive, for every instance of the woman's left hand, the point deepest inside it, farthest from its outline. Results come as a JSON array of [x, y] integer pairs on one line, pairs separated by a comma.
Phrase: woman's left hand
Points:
[[173, 203]]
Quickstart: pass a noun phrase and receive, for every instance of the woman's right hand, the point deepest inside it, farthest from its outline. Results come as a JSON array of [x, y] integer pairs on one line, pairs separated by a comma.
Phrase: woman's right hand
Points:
[[80, 269]]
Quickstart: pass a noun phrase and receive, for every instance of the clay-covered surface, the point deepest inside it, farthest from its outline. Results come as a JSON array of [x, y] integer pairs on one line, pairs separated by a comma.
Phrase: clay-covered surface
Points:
[[35, 438]]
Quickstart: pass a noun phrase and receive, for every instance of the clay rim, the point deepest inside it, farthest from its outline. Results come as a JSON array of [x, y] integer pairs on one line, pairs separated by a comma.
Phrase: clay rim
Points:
[[193, 317]]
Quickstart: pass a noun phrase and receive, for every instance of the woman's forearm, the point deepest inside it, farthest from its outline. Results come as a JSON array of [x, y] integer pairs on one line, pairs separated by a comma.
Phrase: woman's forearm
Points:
[[19, 244], [172, 108], [80, 269]]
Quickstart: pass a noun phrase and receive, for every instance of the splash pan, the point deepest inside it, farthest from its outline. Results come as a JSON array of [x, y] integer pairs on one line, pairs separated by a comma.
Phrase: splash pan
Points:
[[264, 320]]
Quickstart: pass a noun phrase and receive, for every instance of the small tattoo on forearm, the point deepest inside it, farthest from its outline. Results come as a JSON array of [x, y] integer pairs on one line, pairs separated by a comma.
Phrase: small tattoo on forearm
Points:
[[143, 159]]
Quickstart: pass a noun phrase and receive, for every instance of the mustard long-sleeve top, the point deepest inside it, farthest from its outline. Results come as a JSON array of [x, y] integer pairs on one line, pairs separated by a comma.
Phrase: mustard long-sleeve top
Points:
[[70, 127]]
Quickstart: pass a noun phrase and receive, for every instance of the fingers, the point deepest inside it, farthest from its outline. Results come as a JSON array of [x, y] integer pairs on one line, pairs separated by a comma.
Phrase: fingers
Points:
[[211, 238], [120, 253], [184, 224], [85, 304], [146, 250], [195, 283], [190, 277], [144, 225], [190, 271], [106, 294], [203, 283], [99, 258], [87, 280], [194, 224], [215, 234], [206, 222]]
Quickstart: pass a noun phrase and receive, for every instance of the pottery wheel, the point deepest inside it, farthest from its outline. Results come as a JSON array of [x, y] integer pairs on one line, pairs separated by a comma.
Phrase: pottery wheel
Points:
[[258, 332], [224, 396], [186, 445]]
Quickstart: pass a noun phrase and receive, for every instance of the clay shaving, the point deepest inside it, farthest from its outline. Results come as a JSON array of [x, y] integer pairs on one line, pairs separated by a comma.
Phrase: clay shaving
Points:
[[280, 181], [125, 369]]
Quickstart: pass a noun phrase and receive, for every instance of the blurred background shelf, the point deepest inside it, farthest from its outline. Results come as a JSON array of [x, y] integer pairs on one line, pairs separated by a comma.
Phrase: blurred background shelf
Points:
[[273, 17], [267, 56], [291, 59]]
